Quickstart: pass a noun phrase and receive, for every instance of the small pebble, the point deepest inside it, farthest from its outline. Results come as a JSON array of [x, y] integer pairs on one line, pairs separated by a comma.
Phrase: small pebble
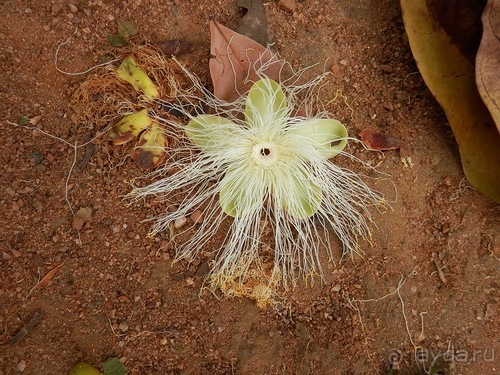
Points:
[[289, 5], [123, 326], [15, 206], [202, 271], [172, 208], [55, 8], [73, 8], [85, 214], [77, 223], [179, 222], [10, 191], [21, 366], [163, 341]]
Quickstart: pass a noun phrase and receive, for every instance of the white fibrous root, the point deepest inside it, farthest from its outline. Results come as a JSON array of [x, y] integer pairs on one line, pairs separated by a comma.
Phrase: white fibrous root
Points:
[[262, 176]]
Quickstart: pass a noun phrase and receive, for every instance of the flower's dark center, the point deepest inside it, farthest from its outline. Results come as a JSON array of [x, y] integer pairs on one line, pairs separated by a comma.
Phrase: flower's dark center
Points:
[[265, 151]]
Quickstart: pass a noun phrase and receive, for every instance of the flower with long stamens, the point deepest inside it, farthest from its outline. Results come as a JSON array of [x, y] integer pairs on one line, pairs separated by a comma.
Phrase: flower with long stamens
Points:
[[269, 174], [269, 157]]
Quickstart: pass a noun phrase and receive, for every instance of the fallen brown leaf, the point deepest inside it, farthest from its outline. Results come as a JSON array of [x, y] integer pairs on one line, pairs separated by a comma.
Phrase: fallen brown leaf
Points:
[[35, 120], [43, 283], [235, 62], [379, 141]]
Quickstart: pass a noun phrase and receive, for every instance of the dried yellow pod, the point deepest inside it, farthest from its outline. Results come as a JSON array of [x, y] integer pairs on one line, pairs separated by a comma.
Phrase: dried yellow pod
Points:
[[151, 148], [133, 74], [130, 127]]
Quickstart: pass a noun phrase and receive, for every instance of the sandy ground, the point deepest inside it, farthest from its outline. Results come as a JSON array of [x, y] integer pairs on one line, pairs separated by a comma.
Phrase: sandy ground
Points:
[[423, 298]]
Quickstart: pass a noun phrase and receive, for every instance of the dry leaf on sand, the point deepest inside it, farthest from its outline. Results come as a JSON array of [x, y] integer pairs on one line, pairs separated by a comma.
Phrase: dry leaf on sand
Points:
[[43, 283], [379, 141], [235, 62]]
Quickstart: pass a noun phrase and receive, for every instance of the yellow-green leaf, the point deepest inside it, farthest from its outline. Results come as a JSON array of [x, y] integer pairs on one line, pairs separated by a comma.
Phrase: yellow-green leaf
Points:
[[130, 127], [266, 103], [151, 148], [133, 74]]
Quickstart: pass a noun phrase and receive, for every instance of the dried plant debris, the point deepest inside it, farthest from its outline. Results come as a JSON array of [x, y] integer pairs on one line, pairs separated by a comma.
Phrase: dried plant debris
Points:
[[26, 328], [488, 60], [120, 98]]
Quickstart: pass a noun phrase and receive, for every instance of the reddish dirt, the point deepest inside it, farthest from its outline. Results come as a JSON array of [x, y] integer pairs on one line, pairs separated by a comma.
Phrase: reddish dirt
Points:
[[116, 295]]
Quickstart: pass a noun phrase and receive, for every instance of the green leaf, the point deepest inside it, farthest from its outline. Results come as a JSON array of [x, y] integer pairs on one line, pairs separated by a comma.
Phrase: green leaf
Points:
[[113, 366], [327, 135], [266, 104], [126, 28], [22, 121], [116, 40]]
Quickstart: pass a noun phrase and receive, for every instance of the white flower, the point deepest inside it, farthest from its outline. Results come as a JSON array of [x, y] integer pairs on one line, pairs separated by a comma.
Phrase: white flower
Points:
[[269, 174], [270, 155]]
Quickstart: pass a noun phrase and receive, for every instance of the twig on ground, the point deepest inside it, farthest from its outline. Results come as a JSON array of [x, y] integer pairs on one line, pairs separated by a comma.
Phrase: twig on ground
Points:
[[27, 328]]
